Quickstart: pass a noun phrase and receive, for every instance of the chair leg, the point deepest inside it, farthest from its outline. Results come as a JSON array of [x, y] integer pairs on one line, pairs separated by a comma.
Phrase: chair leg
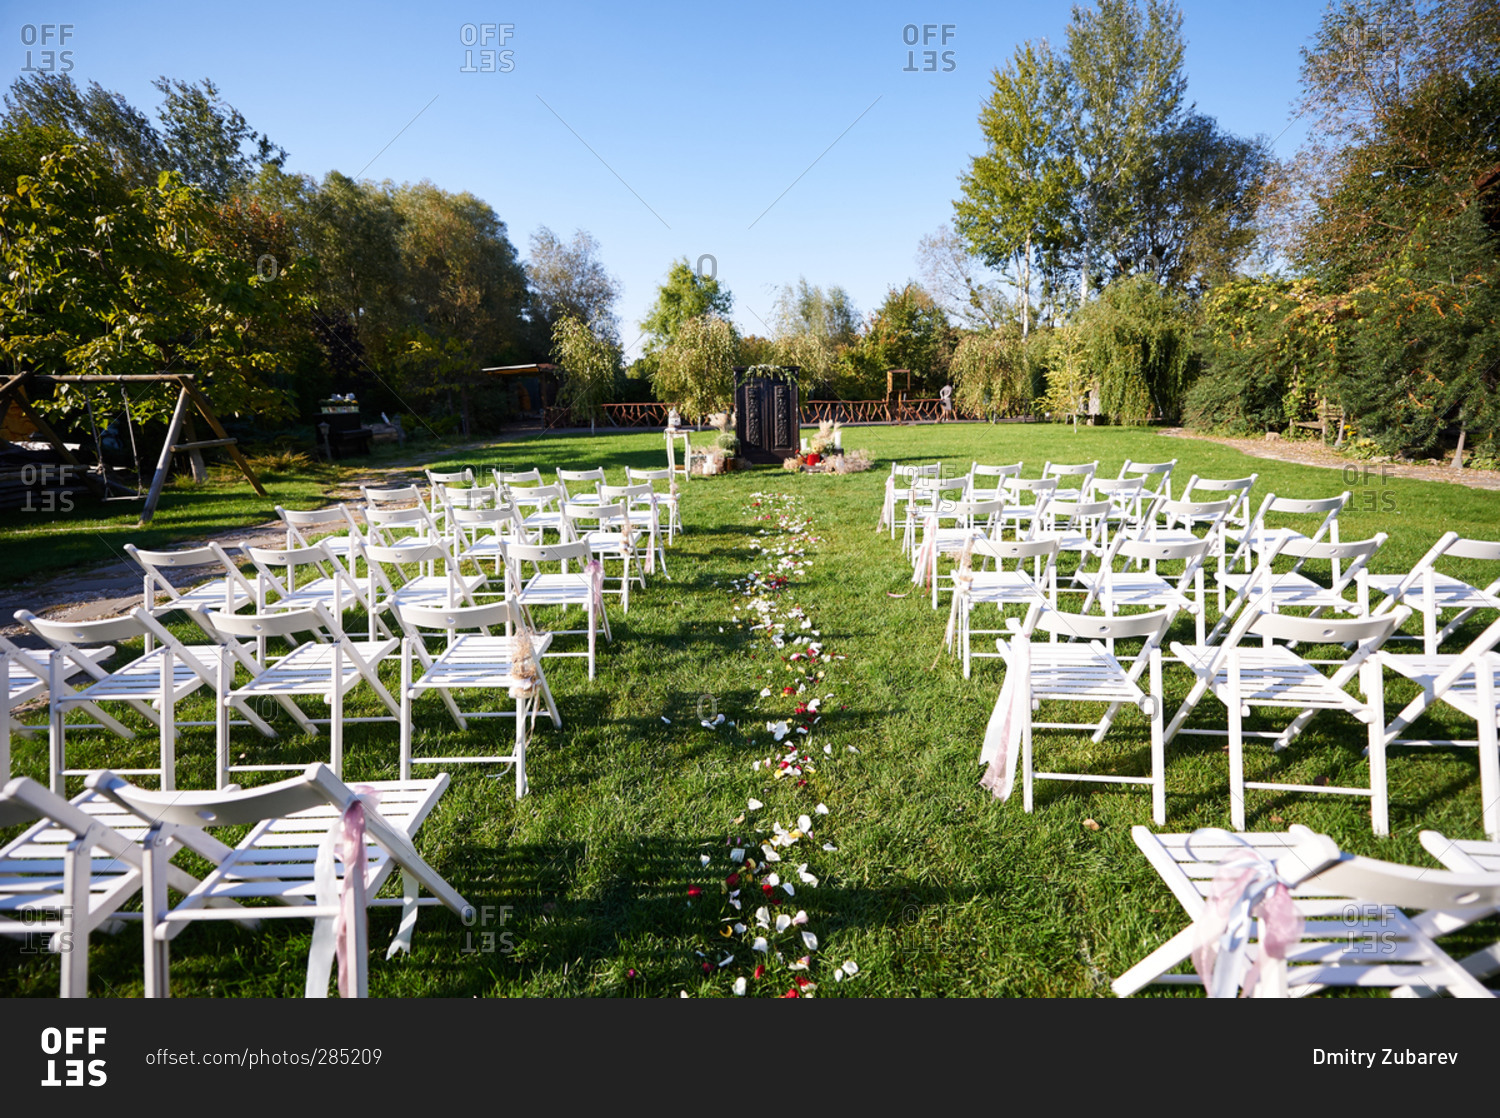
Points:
[[1372, 682], [406, 713], [1026, 781], [336, 714], [154, 910], [168, 724], [1158, 749], [521, 784], [1489, 749], [56, 747], [221, 719], [73, 939], [1236, 744]]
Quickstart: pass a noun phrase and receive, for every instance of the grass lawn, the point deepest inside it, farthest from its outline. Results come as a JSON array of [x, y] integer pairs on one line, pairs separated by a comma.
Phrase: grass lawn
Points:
[[933, 888]]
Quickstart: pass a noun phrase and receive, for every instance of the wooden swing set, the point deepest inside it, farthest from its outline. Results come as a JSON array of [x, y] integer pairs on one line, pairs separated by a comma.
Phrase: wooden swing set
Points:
[[17, 389]]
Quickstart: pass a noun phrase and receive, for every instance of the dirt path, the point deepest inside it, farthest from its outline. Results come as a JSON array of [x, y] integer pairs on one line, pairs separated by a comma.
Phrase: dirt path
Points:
[[1309, 452]]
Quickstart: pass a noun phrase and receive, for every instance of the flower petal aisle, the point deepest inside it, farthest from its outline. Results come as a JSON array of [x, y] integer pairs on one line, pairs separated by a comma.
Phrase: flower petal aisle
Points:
[[776, 855]]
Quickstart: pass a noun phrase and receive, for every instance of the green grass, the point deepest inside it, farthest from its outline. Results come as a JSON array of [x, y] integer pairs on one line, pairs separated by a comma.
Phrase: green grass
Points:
[[936, 889]]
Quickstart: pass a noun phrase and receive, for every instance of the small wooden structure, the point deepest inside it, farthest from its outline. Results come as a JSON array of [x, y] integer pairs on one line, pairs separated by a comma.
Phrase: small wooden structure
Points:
[[767, 419], [17, 389]]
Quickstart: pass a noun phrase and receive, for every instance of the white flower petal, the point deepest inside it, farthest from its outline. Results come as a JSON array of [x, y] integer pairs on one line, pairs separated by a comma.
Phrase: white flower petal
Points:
[[763, 916], [783, 922], [668, 721], [821, 809], [739, 985], [737, 854], [760, 944], [850, 967], [704, 858], [787, 885], [756, 805], [804, 823], [830, 847], [772, 879], [800, 918], [810, 940]]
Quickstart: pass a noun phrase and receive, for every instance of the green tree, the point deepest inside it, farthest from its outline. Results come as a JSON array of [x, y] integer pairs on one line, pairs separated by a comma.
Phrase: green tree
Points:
[[696, 370], [910, 331], [590, 363], [814, 328], [992, 374], [108, 278], [1138, 340], [1015, 195], [684, 296]]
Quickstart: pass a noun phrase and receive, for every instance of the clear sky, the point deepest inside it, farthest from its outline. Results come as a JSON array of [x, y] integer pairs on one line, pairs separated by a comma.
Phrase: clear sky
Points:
[[779, 140]]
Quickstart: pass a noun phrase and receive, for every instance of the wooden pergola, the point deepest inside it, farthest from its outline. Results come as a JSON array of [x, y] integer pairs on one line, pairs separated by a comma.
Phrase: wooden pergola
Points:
[[17, 389]]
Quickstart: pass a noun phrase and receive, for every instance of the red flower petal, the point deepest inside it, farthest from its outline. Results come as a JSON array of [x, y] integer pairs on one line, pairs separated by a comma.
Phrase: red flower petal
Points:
[[765, 888], [791, 994], [801, 981], [708, 968], [760, 971], [732, 880], [694, 891]]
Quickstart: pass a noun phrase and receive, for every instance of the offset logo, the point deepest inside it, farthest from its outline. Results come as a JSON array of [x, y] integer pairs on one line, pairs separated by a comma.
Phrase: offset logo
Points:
[[48, 60], [491, 60], [928, 33], [67, 1042]]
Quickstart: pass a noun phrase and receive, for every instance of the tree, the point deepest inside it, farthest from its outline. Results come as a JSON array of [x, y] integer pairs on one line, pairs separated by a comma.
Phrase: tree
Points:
[[910, 331], [950, 273], [1138, 340], [684, 296], [1094, 161], [53, 100], [109, 278], [463, 282], [992, 375], [206, 138], [569, 280], [813, 329], [696, 370], [1401, 212], [590, 363], [1015, 195]]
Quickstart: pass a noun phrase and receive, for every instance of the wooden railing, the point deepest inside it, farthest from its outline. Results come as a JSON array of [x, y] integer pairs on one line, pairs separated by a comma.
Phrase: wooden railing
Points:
[[846, 411], [651, 414]]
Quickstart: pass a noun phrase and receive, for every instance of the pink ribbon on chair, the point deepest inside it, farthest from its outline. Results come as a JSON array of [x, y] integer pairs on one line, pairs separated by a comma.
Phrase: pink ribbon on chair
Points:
[[887, 508], [921, 574], [346, 838], [1246, 887], [1002, 736], [595, 572]]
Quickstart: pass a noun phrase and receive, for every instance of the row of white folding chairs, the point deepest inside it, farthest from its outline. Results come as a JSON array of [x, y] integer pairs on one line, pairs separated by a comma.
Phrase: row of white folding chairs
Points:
[[327, 663], [1276, 676], [77, 863]]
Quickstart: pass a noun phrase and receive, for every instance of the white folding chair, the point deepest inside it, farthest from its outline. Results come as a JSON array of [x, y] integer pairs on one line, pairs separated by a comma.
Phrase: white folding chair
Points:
[[999, 587], [1466, 857], [1347, 911], [343, 535], [669, 499], [1266, 589], [590, 480], [1155, 476], [898, 490], [546, 516], [1065, 671], [1130, 501], [391, 585], [330, 667], [229, 590], [475, 661], [479, 535], [317, 848], [582, 587], [987, 483], [1261, 534], [163, 676], [1430, 592], [24, 676], [75, 866], [930, 499], [971, 520], [330, 584], [1469, 683], [1242, 676], [1210, 491], [1114, 589], [614, 538], [1026, 501], [1073, 480]]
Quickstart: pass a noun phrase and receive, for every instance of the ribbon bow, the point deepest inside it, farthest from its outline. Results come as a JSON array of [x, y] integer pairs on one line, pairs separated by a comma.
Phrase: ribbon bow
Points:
[[346, 840], [921, 574], [1246, 887], [964, 579], [1008, 722], [887, 508]]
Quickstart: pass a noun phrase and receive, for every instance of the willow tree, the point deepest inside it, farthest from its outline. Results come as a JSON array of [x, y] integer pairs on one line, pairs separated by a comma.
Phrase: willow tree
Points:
[[590, 361], [1138, 338], [696, 370], [992, 375]]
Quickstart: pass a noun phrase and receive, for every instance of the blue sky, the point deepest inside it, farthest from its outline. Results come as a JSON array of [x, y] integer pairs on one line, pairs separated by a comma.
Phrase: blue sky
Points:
[[785, 140]]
